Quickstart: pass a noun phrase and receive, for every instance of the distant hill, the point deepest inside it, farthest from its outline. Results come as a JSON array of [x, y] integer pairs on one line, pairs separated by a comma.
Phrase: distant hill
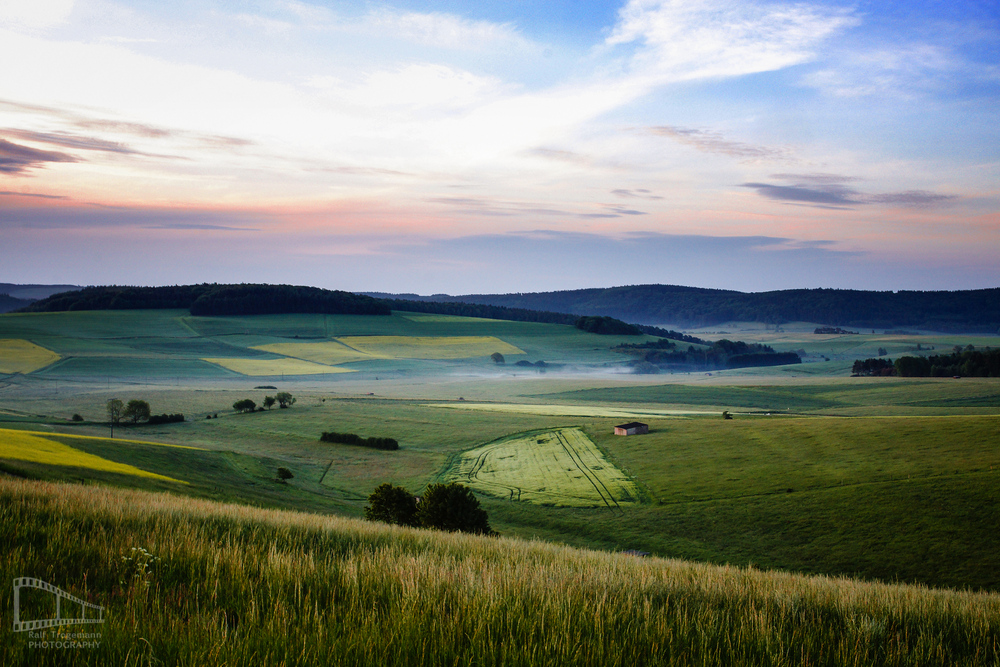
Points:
[[14, 296], [9, 303], [215, 299], [968, 310], [33, 292]]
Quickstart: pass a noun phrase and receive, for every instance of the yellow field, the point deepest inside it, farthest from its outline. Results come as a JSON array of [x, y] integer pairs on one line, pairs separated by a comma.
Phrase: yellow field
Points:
[[26, 446], [270, 367], [327, 352], [22, 356], [429, 347], [558, 467], [570, 410]]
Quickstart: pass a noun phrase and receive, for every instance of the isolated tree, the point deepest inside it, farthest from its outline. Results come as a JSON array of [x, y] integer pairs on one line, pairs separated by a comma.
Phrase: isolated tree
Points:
[[392, 504], [284, 399], [284, 474], [244, 405], [726, 414], [136, 411], [269, 402], [115, 408], [452, 507], [498, 358]]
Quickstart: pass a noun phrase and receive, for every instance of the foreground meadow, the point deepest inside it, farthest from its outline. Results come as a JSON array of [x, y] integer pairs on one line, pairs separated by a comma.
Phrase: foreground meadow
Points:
[[192, 582]]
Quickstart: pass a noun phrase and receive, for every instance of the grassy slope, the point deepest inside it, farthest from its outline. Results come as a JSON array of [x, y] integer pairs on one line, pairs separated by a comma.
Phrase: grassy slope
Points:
[[235, 586]]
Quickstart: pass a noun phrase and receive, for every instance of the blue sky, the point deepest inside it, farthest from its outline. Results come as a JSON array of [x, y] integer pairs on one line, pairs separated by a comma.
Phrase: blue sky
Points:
[[517, 146]]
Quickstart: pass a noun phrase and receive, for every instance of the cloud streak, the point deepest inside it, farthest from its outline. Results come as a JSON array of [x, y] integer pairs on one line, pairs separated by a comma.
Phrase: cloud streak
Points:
[[714, 142], [18, 159], [829, 190]]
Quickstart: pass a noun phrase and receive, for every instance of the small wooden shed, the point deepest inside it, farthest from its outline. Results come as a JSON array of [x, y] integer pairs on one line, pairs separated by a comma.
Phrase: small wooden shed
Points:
[[632, 428]]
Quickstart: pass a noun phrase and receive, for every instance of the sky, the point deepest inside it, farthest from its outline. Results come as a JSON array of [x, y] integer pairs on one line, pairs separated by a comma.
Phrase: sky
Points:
[[462, 147]]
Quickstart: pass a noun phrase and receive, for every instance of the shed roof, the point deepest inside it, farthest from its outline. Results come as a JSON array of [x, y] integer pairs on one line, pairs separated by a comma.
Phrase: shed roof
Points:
[[631, 425]]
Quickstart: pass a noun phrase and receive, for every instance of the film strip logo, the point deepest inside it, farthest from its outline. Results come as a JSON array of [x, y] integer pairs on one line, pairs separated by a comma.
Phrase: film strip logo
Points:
[[97, 615]]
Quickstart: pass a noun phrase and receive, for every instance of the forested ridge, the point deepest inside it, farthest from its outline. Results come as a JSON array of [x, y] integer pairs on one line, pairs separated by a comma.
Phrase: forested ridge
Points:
[[215, 299], [966, 310]]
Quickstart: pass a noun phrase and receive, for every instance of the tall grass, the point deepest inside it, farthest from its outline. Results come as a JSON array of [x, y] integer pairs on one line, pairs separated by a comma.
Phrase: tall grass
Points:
[[238, 586]]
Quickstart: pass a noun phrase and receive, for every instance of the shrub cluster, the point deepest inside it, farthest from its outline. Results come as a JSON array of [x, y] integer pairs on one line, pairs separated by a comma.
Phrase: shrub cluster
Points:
[[166, 419], [873, 367], [452, 507], [388, 444]]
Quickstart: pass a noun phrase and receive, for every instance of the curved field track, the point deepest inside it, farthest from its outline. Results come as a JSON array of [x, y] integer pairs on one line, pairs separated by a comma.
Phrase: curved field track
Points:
[[556, 467]]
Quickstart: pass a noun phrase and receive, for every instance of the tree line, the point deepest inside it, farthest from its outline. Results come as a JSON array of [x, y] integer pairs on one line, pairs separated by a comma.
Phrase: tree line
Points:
[[721, 354], [215, 299], [967, 362]]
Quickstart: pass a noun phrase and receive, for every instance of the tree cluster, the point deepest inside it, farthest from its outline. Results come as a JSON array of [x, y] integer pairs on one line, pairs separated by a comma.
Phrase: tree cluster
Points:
[[452, 507], [245, 405], [873, 367], [967, 362], [606, 326], [719, 355], [387, 444]]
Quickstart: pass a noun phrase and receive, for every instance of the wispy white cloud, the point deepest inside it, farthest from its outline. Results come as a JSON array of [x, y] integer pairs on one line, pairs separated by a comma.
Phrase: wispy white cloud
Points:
[[904, 71], [685, 40]]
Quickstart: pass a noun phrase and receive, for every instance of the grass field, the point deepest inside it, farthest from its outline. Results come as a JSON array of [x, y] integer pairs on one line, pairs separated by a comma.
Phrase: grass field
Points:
[[559, 467], [33, 448], [896, 495], [233, 585], [275, 367], [844, 396], [22, 356], [569, 410], [429, 347]]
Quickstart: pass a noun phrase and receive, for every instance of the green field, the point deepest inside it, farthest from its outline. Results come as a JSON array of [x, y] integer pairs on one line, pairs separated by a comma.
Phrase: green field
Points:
[[559, 467], [878, 478]]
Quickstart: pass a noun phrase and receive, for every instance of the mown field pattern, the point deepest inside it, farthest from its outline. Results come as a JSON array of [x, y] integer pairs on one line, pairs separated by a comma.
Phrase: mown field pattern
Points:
[[560, 467], [22, 356]]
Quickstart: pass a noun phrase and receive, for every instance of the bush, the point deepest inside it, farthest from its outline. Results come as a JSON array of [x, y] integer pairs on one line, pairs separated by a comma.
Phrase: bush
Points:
[[392, 504], [387, 444], [452, 507], [245, 405], [77, 418], [498, 358], [284, 474], [166, 419]]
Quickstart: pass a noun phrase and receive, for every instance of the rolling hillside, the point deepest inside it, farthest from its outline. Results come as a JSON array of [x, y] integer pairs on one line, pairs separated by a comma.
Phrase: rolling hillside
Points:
[[968, 311]]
